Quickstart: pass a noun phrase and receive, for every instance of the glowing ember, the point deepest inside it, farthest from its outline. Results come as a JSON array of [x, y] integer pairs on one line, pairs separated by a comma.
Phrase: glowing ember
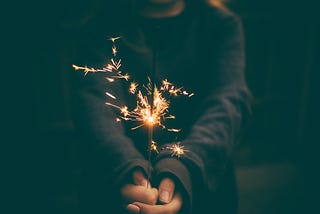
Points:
[[133, 87], [154, 147], [177, 149]]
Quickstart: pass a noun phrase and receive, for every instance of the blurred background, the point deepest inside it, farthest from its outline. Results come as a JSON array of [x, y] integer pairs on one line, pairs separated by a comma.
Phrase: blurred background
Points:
[[277, 160]]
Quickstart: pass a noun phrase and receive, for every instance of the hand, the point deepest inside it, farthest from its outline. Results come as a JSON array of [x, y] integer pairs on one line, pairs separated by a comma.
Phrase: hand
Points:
[[139, 191], [171, 201], [170, 208]]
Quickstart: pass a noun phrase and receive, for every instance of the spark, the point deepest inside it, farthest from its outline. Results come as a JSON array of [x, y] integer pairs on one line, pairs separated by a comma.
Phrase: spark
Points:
[[173, 90], [110, 79], [87, 69], [113, 39], [124, 111], [121, 76], [110, 95], [133, 87], [143, 113], [154, 147], [114, 48], [112, 67], [165, 84], [177, 149], [174, 130], [113, 105]]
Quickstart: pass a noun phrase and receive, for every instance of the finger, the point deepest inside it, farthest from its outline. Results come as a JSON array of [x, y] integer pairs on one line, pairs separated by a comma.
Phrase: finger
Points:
[[173, 207], [166, 190], [139, 178], [133, 193], [133, 208]]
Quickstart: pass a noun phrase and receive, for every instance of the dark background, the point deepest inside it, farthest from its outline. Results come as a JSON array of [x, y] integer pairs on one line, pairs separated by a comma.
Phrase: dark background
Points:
[[277, 160]]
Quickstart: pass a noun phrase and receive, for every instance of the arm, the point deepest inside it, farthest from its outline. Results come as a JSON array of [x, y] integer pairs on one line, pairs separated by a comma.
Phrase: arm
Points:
[[221, 115], [103, 137], [105, 147]]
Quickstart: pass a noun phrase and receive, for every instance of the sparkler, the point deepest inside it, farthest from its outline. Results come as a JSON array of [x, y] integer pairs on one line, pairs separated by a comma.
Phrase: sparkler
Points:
[[152, 103]]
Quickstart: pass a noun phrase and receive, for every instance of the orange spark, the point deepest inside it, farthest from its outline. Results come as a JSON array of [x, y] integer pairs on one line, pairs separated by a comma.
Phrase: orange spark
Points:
[[177, 149], [174, 130], [110, 79], [110, 95], [113, 39], [154, 147], [114, 50], [133, 87]]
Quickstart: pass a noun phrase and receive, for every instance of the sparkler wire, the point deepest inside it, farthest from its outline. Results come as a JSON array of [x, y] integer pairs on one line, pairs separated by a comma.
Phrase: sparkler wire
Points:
[[153, 76]]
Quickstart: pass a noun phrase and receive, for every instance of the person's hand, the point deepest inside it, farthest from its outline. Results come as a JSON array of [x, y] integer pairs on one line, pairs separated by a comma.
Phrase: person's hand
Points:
[[170, 208], [138, 191], [171, 201]]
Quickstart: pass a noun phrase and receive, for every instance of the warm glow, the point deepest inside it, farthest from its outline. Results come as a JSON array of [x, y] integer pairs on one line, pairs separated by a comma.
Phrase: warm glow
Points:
[[150, 120], [143, 113]]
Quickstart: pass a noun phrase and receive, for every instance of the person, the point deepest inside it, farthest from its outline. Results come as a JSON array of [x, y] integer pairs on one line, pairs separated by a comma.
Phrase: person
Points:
[[199, 45]]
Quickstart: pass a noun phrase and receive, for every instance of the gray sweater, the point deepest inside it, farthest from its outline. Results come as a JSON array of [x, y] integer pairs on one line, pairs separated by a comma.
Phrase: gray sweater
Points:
[[201, 50]]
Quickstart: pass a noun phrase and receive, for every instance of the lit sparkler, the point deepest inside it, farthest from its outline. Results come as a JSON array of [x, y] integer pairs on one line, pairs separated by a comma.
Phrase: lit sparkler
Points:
[[143, 112], [152, 106]]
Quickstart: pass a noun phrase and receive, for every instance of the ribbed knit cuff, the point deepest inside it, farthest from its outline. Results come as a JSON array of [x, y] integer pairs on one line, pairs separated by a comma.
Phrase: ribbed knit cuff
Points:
[[123, 172]]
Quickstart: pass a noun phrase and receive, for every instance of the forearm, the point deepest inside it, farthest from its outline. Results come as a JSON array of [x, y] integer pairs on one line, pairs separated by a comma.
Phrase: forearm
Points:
[[104, 143]]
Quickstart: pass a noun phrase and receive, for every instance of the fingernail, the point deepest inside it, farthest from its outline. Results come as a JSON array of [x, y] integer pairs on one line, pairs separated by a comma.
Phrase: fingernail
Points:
[[133, 208], [164, 196]]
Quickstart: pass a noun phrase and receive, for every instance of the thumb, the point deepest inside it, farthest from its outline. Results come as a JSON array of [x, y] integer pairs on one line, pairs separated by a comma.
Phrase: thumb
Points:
[[166, 190]]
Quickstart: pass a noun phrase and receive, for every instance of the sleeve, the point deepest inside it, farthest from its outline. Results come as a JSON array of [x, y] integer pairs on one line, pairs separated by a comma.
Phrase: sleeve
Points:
[[222, 114], [105, 147]]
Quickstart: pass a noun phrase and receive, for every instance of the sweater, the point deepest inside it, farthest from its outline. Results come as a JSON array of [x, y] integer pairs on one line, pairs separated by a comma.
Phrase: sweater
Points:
[[201, 50]]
